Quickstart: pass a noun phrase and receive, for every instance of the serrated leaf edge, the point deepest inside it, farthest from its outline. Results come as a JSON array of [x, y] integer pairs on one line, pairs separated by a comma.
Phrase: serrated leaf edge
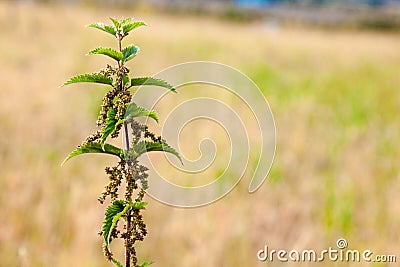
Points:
[[88, 78], [144, 146], [106, 149], [111, 124], [103, 27], [114, 54], [140, 81]]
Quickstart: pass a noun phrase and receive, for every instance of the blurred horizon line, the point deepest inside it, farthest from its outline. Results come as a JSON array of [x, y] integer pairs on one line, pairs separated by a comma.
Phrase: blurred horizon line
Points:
[[359, 14]]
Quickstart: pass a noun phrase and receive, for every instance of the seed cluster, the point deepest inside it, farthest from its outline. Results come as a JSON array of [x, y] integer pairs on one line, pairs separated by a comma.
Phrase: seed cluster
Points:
[[129, 169], [127, 178], [115, 176], [137, 230], [93, 137], [116, 99]]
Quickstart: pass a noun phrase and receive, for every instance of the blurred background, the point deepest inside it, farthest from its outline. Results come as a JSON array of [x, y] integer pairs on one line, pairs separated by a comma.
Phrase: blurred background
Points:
[[329, 69]]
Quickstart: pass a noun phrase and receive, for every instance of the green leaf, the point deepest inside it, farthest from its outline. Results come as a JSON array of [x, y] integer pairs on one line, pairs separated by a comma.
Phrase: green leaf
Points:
[[125, 80], [112, 215], [145, 146], [107, 52], [110, 125], [107, 28], [129, 26], [147, 263], [126, 21], [115, 22], [130, 52], [116, 263], [89, 78], [95, 148], [151, 81], [138, 205], [133, 110]]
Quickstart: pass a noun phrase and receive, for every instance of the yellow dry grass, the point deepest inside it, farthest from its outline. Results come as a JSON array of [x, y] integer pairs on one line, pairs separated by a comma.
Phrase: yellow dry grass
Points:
[[335, 99]]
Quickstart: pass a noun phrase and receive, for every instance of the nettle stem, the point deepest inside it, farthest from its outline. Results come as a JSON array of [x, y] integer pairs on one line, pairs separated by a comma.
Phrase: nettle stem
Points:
[[128, 216], [127, 240], [118, 112], [128, 162]]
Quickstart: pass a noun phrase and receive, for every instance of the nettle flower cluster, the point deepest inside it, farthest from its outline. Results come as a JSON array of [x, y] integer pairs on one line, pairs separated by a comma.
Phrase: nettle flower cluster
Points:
[[117, 115]]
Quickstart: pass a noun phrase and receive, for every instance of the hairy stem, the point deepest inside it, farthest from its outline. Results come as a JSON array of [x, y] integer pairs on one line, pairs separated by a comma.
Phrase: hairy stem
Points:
[[129, 216], [127, 143], [127, 252]]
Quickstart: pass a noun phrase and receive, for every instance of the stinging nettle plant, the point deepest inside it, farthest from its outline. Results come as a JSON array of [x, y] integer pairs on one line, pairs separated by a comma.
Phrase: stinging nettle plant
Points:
[[117, 114]]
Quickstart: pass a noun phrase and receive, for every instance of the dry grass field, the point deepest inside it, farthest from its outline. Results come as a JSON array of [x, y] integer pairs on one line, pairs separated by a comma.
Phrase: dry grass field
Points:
[[336, 102]]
